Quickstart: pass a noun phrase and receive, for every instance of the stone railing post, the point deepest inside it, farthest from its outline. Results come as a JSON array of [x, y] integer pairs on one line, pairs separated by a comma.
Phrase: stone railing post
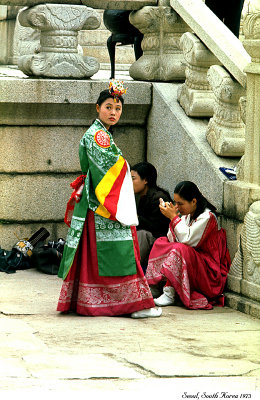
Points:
[[226, 130], [162, 59], [251, 162], [195, 95], [58, 55]]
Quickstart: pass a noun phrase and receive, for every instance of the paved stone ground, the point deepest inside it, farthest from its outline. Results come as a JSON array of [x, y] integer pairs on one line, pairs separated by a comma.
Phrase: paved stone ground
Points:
[[214, 354]]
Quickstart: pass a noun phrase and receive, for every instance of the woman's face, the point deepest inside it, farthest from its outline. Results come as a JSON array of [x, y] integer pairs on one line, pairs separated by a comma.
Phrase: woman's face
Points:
[[185, 207], [109, 112], [140, 185]]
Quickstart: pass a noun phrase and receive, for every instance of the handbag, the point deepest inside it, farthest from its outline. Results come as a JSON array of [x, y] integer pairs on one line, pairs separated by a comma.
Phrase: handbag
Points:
[[47, 257]]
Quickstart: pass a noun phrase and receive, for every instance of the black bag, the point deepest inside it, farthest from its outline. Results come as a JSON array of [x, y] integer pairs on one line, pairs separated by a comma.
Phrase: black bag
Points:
[[12, 260], [46, 259]]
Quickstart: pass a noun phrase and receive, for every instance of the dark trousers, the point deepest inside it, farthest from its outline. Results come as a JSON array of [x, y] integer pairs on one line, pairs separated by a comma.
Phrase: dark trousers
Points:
[[228, 11]]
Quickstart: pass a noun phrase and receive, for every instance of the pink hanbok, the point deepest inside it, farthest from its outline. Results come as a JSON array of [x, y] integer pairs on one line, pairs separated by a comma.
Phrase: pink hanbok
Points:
[[193, 259]]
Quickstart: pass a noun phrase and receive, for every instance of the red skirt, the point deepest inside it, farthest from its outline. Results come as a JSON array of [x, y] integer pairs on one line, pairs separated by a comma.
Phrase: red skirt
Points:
[[86, 293], [197, 278]]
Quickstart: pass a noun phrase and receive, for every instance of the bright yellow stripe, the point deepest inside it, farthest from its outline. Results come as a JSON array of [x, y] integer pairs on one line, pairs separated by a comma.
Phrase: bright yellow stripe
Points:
[[105, 185], [101, 210]]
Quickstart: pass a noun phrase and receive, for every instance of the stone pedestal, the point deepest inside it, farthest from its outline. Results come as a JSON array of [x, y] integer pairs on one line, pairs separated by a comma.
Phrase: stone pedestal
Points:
[[195, 95], [226, 130], [162, 59], [58, 55]]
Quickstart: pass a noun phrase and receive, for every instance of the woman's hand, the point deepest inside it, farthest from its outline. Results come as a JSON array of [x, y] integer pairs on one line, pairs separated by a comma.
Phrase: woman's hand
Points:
[[168, 209]]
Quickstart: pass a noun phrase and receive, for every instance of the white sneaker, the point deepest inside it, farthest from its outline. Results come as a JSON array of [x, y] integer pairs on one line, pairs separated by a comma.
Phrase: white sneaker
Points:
[[147, 313], [167, 298]]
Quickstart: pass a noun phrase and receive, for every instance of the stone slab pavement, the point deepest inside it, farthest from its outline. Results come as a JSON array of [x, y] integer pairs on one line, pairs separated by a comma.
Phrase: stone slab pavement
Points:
[[183, 354]]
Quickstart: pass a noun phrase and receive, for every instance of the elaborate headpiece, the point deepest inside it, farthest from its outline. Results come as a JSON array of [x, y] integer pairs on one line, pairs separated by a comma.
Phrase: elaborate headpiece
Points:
[[116, 89]]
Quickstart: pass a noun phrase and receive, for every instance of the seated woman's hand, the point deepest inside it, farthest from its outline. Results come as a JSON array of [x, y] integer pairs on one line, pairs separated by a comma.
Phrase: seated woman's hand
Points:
[[168, 209]]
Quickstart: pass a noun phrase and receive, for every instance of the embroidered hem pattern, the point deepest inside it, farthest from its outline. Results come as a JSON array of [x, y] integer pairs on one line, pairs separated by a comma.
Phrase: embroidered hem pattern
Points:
[[174, 268], [94, 295]]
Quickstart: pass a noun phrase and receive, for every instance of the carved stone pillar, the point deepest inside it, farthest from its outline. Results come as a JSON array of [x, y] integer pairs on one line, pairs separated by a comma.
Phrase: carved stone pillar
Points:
[[162, 59], [195, 95], [226, 130], [58, 55], [251, 173]]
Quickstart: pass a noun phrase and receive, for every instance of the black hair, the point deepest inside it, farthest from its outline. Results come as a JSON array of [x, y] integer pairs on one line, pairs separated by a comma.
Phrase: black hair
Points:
[[189, 191], [148, 171], [104, 95]]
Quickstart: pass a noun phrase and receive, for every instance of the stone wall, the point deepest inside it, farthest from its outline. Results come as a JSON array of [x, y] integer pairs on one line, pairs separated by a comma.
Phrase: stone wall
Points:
[[41, 123]]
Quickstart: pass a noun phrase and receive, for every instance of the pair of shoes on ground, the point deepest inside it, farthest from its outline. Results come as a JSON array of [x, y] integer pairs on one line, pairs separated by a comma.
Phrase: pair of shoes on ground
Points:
[[167, 298], [147, 313]]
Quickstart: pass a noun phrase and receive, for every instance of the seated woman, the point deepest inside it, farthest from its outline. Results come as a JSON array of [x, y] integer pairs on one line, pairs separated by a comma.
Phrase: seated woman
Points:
[[193, 258], [152, 223]]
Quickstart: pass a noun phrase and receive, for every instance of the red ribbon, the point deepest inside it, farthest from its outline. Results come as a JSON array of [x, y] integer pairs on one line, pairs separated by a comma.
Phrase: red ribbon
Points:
[[78, 186]]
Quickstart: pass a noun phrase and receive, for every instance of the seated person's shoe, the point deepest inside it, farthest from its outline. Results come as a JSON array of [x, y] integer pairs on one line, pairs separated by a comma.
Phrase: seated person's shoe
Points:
[[167, 298], [163, 301], [147, 313]]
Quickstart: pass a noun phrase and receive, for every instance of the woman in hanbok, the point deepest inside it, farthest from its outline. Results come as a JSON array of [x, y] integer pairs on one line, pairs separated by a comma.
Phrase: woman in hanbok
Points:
[[100, 265], [193, 259]]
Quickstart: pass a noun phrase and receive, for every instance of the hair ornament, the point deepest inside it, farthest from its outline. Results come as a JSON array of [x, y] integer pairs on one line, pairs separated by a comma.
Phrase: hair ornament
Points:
[[116, 89]]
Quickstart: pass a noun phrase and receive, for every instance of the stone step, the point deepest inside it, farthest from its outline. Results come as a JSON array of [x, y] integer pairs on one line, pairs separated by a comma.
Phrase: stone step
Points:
[[124, 54]]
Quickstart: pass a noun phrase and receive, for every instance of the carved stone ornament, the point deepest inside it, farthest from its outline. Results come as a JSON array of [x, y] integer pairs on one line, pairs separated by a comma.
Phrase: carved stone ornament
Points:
[[252, 36], [226, 130], [26, 40], [245, 268], [57, 55], [195, 95], [162, 59]]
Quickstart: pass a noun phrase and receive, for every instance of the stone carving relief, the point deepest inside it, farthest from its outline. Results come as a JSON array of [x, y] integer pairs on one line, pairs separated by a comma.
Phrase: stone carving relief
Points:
[[246, 263], [162, 59], [52, 50], [226, 130], [195, 95], [26, 40]]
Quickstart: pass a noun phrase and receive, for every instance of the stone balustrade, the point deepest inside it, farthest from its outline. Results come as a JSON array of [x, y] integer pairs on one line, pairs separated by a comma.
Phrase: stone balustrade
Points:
[[226, 131], [216, 36]]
